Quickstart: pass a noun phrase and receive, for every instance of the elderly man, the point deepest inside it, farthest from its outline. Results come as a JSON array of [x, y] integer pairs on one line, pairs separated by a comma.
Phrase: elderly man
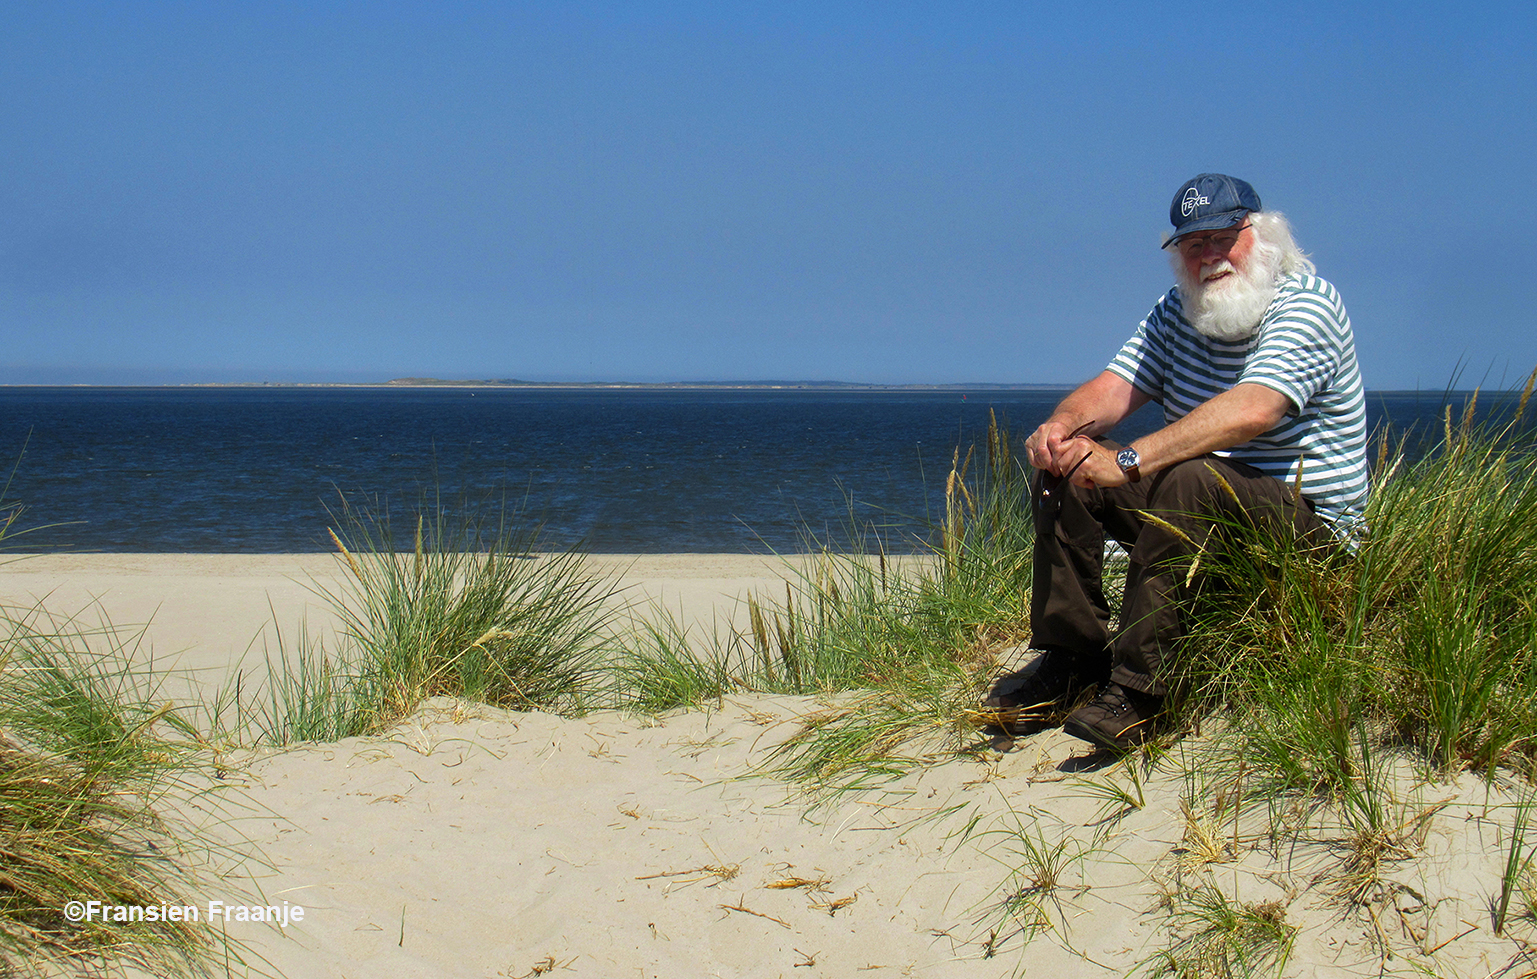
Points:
[[1252, 358]]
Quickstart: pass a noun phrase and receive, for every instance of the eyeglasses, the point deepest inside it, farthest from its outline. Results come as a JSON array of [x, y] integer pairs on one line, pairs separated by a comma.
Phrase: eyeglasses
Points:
[[1192, 246], [1050, 500]]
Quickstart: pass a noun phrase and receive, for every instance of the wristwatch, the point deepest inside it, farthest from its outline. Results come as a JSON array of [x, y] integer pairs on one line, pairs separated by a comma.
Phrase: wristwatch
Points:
[[1130, 463]]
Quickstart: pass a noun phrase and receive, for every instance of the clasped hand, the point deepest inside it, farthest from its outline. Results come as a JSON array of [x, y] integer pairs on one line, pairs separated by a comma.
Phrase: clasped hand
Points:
[[1061, 452]]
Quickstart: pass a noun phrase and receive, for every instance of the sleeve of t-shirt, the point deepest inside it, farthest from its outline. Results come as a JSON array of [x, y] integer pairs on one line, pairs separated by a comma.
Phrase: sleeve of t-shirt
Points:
[[1298, 352], [1143, 360]]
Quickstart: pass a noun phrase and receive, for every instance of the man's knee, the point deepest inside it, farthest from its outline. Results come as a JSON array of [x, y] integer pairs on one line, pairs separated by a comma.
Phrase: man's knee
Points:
[[1213, 488], [1185, 484]]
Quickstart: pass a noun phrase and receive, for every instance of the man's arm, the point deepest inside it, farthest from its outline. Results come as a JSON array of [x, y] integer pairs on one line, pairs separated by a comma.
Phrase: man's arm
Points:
[[1228, 419], [1100, 403]]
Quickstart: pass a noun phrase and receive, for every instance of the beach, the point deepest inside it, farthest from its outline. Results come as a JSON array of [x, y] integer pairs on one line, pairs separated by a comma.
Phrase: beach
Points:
[[471, 841], [203, 614]]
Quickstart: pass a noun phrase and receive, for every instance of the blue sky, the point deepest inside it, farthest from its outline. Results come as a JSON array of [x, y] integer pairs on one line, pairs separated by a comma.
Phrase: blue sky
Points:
[[884, 191]]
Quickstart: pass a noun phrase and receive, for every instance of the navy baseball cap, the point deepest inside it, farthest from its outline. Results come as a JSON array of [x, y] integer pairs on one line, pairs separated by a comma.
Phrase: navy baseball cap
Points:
[[1208, 202]]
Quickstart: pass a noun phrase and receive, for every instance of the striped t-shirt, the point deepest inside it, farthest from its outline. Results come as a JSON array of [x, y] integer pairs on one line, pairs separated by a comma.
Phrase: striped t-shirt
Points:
[[1304, 349]]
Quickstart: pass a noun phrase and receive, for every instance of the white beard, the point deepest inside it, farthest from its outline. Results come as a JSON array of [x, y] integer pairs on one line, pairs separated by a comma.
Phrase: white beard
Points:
[[1230, 307]]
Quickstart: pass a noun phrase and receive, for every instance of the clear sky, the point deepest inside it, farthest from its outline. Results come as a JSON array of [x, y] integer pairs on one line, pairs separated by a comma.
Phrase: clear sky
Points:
[[882, 191]]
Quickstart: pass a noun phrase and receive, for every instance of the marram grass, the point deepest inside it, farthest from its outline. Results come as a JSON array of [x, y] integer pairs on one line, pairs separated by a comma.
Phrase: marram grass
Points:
[[1427, 636], [470, 611], [657, 667], [900, 649], [920, 642], [84, 774]]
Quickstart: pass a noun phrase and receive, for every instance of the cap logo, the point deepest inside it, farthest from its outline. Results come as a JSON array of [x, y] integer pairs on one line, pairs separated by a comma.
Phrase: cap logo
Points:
[[1193, 200]]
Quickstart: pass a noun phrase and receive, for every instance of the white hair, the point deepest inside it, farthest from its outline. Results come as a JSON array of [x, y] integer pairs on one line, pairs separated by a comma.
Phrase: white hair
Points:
[[1272, 228]]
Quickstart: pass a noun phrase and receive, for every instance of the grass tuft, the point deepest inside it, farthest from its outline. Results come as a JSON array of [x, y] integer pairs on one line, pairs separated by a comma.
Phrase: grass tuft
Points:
[[86, 766], [1030, 901], [1518, 858], [1224, 939], [657, 669], [471, 611], [919, 640]]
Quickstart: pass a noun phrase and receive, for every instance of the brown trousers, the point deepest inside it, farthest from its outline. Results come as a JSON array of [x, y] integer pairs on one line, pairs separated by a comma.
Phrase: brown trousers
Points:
[[1068, 608]]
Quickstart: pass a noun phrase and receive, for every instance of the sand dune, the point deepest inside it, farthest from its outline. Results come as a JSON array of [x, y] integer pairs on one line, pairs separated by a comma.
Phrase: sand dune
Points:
[[475, 842]]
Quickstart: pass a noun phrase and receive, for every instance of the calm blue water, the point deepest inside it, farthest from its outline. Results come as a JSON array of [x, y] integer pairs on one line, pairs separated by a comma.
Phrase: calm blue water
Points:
[[221, 469]]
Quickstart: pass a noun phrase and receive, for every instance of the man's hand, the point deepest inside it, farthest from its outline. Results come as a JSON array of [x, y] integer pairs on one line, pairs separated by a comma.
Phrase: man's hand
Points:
[[1053, 447], [1099, 469], [1097, 406]]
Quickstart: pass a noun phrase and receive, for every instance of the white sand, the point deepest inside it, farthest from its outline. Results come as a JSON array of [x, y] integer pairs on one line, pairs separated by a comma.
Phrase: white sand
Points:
[[474, 842], [204, 614]]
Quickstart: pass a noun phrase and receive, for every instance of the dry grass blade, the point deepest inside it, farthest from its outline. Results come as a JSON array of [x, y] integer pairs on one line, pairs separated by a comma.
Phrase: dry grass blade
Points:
[[718, 871], [545, 965], [1370, 847], [1203, 842], [352, 563], [811, 884], [741, 908], [833, 907], [1526, 395], [1163, 524]]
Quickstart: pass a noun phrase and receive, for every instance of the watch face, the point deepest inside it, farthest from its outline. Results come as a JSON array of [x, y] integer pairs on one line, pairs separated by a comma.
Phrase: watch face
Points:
[[1128, 458]]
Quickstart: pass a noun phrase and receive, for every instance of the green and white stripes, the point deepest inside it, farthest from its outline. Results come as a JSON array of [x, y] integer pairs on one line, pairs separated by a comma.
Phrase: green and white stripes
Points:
[[1303, 349]]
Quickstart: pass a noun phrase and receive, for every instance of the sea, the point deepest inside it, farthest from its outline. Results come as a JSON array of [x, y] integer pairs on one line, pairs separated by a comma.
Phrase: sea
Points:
[[270, 469]]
